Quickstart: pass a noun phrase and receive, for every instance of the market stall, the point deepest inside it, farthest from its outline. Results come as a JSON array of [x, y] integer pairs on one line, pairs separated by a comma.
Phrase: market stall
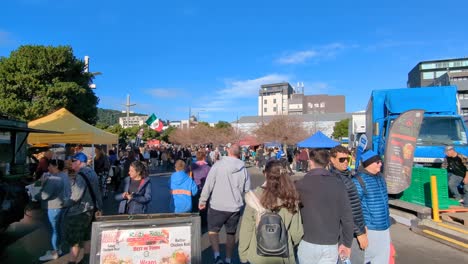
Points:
[[74, 130]]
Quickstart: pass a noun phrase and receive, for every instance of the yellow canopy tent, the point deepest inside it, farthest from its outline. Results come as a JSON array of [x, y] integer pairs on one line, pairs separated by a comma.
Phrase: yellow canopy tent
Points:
[[75, 130]]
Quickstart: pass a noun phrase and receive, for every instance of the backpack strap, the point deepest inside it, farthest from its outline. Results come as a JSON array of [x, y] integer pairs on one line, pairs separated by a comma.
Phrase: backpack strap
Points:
[[91, 191], [361, 182]]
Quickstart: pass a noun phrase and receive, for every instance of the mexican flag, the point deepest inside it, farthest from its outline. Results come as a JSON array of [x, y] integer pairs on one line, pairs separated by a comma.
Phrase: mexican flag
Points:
[[154, 123]]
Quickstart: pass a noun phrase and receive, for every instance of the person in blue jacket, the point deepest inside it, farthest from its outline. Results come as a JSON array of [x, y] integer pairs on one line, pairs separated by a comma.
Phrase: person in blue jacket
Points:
[[182, 189], [135, 190], [372, 191]]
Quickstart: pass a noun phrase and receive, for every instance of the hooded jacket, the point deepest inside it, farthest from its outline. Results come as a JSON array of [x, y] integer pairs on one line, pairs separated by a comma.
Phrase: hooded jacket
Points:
[[227, 180], [374, 199], [182, 189], [140, 200]]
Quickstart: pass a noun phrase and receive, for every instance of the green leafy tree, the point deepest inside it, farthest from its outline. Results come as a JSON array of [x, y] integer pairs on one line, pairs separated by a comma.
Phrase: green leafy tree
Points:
[[341, 128], [223, 124], [38, 80]]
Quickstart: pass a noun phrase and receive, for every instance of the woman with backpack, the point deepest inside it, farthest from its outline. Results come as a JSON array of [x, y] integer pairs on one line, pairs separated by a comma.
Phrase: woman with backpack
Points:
[[276, 197]]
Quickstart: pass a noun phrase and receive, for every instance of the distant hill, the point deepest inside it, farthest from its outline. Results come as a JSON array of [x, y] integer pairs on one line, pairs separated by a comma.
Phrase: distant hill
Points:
[[109, 117]]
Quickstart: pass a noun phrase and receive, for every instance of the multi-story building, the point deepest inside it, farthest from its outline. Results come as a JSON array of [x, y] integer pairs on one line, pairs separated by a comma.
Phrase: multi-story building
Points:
[[273, 99], [443, 72], [132, 121], [323, 103], [426, 73], [282, 99]]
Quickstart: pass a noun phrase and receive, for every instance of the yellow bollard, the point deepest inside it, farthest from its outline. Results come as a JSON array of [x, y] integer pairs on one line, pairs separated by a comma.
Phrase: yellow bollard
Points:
[[435, 200]]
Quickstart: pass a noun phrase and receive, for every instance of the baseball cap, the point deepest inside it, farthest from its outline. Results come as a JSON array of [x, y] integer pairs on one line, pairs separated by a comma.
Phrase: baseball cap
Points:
[[80, 156], [447, 148]]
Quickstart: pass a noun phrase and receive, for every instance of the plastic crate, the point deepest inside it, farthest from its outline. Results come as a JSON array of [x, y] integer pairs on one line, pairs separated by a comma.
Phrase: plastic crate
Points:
[[419, 191]]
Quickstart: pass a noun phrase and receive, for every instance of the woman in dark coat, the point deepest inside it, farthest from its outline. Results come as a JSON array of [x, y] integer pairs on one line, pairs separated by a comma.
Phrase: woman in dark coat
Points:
[[135, 190]]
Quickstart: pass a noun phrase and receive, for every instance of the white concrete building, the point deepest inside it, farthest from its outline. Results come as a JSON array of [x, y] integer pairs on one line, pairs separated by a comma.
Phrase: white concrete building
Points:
[[311, 122], [132, 121], [273, 99]]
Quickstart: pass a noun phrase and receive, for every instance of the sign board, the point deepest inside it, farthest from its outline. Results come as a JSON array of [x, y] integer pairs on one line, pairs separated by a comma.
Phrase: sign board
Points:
[[399, 150], [362, 145], [147, 239]]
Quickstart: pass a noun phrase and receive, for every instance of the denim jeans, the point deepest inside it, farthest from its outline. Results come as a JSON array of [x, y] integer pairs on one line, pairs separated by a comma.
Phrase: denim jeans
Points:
[[308, 253], [54, 216], [453, 182]]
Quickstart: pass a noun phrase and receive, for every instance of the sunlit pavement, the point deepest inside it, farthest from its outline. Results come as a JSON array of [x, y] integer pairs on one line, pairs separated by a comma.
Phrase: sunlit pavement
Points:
[[25, 241]]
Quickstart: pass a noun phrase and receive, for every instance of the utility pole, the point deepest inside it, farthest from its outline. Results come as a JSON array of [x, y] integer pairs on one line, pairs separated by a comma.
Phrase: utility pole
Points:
[[127, 109]]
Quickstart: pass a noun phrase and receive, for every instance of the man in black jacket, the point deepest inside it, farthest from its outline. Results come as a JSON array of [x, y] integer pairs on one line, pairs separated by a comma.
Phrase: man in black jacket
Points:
[[326, 213], [339, 159]]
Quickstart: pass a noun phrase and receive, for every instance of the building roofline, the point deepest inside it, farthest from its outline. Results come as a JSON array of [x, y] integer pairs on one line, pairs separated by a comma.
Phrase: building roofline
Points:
[[275, 84], [443, 60]]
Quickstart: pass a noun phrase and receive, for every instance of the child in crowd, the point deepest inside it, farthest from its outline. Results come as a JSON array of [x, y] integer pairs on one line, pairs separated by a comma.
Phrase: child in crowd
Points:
[[182, 189]]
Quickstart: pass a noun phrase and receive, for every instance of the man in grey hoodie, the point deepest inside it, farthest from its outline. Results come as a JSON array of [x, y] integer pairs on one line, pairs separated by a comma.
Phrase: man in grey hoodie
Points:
[[226, 182]]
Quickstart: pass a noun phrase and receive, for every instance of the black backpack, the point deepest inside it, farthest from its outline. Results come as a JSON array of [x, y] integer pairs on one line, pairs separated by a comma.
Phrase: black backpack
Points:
[[272, 236]]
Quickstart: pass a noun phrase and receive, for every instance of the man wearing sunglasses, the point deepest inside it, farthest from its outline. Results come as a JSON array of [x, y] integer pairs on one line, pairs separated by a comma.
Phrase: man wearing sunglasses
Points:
[[339, 160], [372, 191]]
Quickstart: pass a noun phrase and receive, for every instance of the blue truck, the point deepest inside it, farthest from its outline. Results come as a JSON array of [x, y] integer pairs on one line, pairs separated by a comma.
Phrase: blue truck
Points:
[[442, 125]]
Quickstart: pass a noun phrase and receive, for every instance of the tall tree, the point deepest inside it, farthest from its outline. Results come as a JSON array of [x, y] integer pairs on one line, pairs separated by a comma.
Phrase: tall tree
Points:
[[38, 80], [284, 129], [341, 128]]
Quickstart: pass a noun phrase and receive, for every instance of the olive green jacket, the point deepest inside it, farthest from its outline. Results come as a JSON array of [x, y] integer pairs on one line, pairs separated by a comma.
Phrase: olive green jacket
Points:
[[248, 239]]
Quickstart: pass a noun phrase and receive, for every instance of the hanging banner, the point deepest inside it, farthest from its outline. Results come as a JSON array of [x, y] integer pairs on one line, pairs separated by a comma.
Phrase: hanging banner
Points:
[[399, 150]]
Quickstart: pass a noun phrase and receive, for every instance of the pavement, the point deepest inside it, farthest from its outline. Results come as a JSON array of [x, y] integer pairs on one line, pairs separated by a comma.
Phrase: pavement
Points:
[[25, 241]]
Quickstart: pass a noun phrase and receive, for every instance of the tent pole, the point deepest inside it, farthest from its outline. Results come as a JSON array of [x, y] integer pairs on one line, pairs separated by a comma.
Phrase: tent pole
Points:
[[92, 156]]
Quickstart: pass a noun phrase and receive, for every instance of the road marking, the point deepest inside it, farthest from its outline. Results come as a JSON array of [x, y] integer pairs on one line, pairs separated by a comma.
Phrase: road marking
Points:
[[453, 228], [451, 240]]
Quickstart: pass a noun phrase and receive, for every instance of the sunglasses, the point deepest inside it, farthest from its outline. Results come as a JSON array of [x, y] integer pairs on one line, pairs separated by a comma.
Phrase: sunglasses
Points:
[[341, 160]]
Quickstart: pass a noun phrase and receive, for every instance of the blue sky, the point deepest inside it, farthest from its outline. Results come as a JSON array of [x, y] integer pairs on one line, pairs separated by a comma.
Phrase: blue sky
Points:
[[213, 56]]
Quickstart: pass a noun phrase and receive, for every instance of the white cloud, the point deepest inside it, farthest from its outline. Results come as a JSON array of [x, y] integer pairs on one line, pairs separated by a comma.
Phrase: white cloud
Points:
[[249, 88], [297, 57], [303, 56], [233, 97], [165, 92]]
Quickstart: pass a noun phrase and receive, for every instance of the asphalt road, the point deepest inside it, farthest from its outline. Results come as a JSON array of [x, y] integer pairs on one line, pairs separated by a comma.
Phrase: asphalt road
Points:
[[25, 241]]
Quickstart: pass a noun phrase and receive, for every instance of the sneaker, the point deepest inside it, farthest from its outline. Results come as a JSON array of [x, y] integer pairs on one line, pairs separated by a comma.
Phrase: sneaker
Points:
[[460, 201], [219, 260], [49, 256]]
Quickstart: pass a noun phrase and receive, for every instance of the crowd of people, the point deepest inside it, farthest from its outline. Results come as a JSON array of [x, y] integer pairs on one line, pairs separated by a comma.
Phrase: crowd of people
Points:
[[331, 214]]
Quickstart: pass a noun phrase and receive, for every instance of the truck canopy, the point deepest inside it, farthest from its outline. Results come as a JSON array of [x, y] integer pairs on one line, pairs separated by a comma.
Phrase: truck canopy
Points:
[[440, 99]]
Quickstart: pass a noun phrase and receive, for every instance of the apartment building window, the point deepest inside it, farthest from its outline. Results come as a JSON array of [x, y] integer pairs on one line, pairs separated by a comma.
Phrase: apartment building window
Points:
[[463, 96], [274, 101], [322, 105], [265, 102], [264, 109], [275, 109], [464, 112]]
